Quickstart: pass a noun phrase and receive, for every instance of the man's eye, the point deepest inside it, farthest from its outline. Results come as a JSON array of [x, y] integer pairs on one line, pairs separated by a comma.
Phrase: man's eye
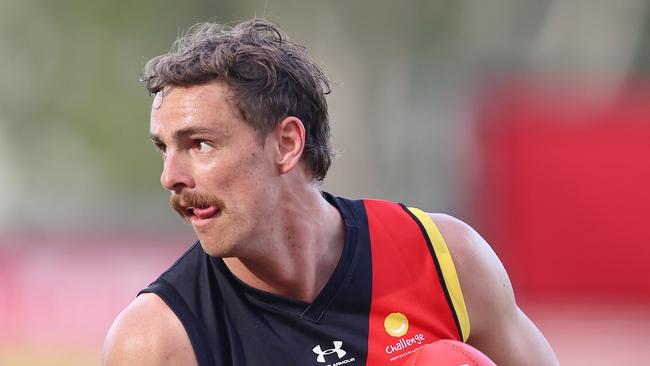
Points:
[[203, 146]]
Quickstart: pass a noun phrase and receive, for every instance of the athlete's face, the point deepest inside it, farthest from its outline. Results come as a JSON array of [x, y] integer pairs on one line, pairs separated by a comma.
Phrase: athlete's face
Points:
[[215, 166]]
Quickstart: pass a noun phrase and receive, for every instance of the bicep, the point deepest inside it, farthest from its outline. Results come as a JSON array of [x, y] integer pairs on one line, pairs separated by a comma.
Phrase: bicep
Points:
[[147, 333], [497, 326]]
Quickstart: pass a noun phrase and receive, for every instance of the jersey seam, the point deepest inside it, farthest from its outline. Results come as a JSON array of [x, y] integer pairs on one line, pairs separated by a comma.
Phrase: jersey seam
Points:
[[441, 278]]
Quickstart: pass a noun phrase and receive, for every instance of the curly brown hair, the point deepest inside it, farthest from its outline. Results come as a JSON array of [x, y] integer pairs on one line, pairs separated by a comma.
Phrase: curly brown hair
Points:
[[269, 78]]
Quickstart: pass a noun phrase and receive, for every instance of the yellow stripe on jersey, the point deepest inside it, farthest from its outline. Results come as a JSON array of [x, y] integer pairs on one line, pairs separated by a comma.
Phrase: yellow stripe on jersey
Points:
[[448, 269]]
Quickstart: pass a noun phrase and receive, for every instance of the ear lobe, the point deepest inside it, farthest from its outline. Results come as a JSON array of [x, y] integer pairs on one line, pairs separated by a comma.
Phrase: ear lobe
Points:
[[290, 135]]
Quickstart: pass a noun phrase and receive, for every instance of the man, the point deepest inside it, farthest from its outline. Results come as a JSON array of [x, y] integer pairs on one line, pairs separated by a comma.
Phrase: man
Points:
[[284, 274]]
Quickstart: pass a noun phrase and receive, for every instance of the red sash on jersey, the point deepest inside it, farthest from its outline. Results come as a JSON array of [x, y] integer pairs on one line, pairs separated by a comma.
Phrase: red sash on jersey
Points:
[[413, 302]]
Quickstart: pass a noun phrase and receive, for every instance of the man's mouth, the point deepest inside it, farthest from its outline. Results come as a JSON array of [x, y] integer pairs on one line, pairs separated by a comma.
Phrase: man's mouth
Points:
[[197, 209], [200, 215]]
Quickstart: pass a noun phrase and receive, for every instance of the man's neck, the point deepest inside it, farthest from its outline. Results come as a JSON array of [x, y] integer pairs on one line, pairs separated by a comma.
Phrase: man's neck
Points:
[[299, 252]]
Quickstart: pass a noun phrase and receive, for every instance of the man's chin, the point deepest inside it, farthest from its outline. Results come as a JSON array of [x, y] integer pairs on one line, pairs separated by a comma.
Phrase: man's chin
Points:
[[214, 250]]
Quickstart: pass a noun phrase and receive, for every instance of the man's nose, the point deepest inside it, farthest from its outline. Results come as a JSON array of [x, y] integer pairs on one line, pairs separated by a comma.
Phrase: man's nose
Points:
[[176, 173]]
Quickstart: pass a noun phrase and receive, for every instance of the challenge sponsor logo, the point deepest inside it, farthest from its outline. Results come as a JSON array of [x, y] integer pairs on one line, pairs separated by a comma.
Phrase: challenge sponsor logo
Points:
[[405, 343], [396, 324], [337, 350]]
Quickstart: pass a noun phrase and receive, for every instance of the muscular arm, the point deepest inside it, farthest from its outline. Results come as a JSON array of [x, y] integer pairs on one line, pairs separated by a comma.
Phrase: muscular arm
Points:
[[147, 332], [497, 326]]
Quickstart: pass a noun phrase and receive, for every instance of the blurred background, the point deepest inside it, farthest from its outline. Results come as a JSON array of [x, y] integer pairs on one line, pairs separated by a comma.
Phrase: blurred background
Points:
[[530, 120]]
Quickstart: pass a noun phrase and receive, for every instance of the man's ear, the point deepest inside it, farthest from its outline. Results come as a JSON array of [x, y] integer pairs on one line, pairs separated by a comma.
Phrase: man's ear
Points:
[[290, 139]]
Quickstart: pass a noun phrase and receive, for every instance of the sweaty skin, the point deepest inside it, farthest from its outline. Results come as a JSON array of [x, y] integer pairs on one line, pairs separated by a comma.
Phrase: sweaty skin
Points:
[[292, 251]]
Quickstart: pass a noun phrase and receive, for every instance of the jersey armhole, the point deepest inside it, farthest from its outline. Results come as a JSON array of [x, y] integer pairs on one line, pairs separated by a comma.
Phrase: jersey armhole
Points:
[[446, 269], [169, 295]]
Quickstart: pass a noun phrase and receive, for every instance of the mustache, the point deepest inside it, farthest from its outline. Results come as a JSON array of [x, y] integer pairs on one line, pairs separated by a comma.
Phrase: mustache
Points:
[[180, 202]]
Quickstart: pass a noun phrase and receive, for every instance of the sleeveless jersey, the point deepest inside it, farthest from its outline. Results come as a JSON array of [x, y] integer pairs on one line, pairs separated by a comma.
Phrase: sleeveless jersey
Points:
[[393, 290]]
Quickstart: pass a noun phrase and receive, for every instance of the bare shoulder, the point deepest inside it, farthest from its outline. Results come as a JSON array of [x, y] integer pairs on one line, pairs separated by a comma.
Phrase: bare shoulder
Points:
[[483, 278], [498, 327], [147, 332]]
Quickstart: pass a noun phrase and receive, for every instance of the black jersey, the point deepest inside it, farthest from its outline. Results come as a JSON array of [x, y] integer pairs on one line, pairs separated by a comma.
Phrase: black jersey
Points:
[[393, 290]]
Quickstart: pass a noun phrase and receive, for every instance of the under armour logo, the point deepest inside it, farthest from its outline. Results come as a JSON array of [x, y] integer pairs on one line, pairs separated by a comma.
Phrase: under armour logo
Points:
[[337, 349]]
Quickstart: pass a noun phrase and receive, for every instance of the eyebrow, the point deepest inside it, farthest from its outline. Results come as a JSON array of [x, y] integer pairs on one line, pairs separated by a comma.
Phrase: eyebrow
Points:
[[183, 133]]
